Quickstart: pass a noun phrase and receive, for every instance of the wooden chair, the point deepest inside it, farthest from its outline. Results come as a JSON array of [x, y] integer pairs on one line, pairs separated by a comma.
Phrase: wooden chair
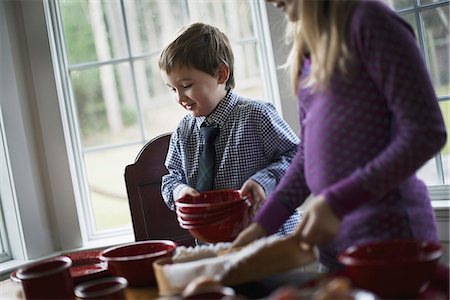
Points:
[[151, 218]]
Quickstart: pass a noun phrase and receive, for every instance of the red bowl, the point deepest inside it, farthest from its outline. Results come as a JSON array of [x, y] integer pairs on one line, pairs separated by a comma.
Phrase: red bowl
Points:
[[215, 196], [213, 214], [104, 288], [392, 269], [134, 261], [224, 230], [236, 213], [209, 201]]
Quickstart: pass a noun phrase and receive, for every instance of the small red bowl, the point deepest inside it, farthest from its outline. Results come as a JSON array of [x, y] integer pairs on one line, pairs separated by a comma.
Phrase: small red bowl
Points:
[[224, 230], [134, 261], [392, 269], [104, 288], [237, 214], [209, 201], [214, 196], [214, 214]]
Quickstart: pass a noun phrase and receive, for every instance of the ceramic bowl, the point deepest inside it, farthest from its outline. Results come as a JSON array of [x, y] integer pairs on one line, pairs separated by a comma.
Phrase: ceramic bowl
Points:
[[209, 201], [134, 261], [392, 269], [105, 288], [223, 230]]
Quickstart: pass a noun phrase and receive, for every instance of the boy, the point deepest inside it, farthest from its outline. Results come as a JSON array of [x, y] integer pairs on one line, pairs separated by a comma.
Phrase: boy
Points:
[[251, 144]]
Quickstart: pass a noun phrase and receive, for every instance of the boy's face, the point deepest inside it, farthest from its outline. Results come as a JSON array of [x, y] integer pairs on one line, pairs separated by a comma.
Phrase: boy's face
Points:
[[197, 91]]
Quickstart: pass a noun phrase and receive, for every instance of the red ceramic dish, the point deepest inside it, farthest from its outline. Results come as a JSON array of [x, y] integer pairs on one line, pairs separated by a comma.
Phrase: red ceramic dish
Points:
[[215, 196], [86, 265], [224, 230], [236, 214], [392, 269], [134, 261], [104, 288], [213, 215]]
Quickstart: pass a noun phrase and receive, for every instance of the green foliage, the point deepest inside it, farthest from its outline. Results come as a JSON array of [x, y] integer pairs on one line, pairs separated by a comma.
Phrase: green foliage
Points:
[[80, 44], [89, 100]]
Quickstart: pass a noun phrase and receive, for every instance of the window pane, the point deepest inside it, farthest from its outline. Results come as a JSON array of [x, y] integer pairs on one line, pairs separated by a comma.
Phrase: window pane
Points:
[[400, 4], [107, 189], [105, 104], [152, 22], [428, 173], [445, 153], [410, 18], [5, 191], [161, 113], [230, 16], [93, 30], [436, 23], [431, 1], [249, 82]]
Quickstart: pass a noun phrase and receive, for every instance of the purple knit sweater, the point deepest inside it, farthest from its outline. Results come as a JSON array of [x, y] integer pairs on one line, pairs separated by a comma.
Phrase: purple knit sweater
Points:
[[364, 139]]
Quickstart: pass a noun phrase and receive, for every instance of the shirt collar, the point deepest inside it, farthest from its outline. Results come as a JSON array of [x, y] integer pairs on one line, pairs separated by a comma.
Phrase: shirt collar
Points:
[[220, 114]]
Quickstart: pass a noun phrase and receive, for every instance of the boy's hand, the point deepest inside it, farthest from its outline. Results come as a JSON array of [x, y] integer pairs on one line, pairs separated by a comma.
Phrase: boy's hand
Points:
[[257, 194], [187, 190], [319, 222]]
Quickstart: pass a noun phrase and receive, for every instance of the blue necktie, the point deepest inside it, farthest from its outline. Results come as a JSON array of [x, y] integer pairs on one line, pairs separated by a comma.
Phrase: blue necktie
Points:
[[207, 158]]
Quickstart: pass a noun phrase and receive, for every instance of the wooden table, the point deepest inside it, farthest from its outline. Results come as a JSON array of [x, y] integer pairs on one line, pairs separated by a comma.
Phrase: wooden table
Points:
[[259, 289], [10, 291]]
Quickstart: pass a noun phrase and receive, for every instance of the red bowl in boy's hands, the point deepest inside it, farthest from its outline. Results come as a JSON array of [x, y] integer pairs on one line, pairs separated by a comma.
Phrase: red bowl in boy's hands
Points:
[[392, 269], [224, 230], [209, 201]]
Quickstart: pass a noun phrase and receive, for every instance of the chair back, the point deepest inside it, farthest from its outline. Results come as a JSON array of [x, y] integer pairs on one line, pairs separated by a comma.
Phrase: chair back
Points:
[[151, 217]]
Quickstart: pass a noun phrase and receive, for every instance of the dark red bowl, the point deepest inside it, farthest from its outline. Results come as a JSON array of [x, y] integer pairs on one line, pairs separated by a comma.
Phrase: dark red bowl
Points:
[[207, 201], [104, 288], [215, 196], [134, 261], [213, 214], [392, 269], [224, 230]]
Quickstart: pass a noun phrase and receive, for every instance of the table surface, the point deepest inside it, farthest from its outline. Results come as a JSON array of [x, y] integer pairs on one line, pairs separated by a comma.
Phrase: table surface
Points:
[[261, 288], [11, 290]]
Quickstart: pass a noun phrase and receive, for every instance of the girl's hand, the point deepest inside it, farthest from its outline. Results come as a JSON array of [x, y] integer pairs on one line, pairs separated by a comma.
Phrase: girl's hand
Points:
[[319, 224], [253, 232], [187, 190], [257, 194]]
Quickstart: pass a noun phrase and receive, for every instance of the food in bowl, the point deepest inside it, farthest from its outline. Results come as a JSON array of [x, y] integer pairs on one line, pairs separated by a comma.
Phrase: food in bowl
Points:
[[392, 269], [134, 261]]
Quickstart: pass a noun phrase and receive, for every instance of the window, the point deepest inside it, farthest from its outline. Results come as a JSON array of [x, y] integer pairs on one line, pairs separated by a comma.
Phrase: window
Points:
[[5, 191], [114, 96], [430, 21]]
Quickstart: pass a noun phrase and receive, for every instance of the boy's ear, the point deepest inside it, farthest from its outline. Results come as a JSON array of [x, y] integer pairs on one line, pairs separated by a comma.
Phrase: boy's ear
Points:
[[224, 73]]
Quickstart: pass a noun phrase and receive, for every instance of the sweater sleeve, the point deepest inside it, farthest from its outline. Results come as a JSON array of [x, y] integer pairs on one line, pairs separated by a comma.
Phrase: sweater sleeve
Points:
[[386, 45], [289, 194]]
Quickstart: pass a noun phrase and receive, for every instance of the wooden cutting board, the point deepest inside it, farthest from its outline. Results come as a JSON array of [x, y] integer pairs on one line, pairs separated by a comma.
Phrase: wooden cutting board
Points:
[[253, 262]]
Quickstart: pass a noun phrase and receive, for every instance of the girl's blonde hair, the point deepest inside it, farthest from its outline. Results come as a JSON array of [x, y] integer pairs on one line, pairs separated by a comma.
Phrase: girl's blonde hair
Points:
[[321, 32]]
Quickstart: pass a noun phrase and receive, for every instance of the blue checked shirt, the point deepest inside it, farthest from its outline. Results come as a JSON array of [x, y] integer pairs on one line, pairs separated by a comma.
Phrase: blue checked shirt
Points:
[[254, 142]]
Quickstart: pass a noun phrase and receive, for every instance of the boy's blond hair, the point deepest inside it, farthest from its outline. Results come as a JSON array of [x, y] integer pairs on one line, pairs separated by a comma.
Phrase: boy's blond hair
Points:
[[199, 46]]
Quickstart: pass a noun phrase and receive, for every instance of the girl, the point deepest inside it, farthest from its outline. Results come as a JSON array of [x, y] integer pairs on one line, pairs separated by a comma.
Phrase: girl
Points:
[[369, 119]]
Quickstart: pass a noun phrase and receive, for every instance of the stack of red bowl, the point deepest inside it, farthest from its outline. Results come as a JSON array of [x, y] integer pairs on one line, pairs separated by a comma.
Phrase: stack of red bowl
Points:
[[214, 216]]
